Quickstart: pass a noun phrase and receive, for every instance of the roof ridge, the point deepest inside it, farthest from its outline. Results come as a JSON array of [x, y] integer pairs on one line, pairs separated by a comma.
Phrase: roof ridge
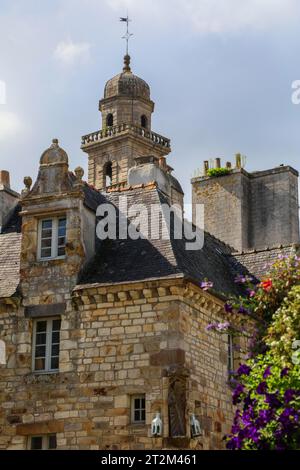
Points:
[[267, 248]]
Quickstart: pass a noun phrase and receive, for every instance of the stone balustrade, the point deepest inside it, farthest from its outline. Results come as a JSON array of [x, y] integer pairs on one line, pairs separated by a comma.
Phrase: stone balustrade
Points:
[[122, 128]]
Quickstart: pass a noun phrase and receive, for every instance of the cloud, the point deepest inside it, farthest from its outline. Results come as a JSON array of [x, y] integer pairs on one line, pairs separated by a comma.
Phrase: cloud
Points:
[[69, 52], [9, 125], [214, 16]]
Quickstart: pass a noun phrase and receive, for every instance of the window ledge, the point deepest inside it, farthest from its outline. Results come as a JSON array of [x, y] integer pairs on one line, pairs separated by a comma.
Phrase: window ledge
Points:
[[36, 377], [48, 261]]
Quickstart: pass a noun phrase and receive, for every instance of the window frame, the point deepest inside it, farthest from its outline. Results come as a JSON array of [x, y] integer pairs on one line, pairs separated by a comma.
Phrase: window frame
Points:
[[45, 441], [54, 238], [141, 396], [48, 345]]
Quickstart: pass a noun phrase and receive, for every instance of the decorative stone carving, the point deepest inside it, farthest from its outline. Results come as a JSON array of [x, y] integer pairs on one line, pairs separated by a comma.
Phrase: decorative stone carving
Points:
[[177, 401]]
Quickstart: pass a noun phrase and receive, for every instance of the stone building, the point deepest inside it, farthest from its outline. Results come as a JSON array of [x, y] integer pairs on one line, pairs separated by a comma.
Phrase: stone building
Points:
[[97, 337]]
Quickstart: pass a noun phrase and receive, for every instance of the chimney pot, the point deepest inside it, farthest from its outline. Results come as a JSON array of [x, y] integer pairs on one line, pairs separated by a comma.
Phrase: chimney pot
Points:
[[4, 178], [238, 161], [218, 162]]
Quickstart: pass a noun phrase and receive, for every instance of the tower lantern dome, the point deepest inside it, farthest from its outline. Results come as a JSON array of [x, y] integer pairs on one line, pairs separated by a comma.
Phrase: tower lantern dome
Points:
[[126, 100], [126, 84]]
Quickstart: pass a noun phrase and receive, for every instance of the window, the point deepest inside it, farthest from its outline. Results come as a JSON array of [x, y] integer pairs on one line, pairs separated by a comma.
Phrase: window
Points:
[[138, 411], [109, 120], [46, 333], [230, 352], [52, 238], [45, 442], [144, 121], [108, 174]]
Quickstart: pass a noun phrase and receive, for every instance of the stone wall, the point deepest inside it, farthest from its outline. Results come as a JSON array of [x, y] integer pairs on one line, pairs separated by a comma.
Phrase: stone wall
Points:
[[250, 210], [117, 341]]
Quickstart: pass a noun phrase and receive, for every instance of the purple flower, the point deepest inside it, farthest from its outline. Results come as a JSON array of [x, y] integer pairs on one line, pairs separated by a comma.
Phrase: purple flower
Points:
[[251, 292], [289, 419], [249, 402], [242, 309], [228, 307], [289, 394], [284, 372], [267, 372], [244, 370], [205, 285], [234, 443], [262, 388], [221, 327], [211, 326], [264, 417], [272, 400], [236, 396], [240, 279]]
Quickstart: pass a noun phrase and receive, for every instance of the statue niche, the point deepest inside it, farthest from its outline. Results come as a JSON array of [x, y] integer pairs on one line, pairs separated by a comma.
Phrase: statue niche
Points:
[[177, 406]]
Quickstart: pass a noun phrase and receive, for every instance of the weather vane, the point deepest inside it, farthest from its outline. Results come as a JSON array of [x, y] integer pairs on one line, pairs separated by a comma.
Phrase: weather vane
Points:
[[128, 34]]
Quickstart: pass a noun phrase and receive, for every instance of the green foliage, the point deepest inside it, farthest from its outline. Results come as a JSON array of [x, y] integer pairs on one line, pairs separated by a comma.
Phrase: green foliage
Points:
[[218, 171], [268, 385], [285, 327], [270, 411]]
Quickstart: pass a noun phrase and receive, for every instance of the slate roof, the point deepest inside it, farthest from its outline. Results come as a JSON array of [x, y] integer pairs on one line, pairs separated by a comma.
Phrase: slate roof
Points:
[[117, 261], [10, 248], [258, 262], [133, 260]]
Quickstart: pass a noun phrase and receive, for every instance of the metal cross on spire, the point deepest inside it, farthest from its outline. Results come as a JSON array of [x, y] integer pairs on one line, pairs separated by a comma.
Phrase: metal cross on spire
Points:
[[128, 34]]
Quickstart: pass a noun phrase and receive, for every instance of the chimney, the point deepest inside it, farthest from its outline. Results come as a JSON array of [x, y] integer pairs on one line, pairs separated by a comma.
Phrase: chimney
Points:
[[8, 198], [4, 179], [217, 162]]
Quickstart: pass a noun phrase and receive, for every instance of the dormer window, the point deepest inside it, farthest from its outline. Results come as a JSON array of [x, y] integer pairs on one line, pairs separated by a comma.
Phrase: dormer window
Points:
[[52, 238], [144, 121], [109, 120]]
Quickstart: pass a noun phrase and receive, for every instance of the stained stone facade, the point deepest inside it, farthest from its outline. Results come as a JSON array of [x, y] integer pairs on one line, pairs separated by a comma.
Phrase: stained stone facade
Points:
[[130, 316]]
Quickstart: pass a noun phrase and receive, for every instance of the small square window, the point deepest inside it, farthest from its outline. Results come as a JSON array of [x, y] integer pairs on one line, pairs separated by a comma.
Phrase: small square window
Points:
[[138, 409], [44, 442]]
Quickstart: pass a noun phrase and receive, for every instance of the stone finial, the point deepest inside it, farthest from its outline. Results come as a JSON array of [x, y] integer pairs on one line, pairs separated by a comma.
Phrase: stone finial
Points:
[[238, 161], [126, 67], [79, 172], [28, 183], [162, 163], [228, 165]]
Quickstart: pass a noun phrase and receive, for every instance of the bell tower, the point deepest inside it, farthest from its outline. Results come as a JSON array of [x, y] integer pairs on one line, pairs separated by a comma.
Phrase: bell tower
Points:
[[125, 132]]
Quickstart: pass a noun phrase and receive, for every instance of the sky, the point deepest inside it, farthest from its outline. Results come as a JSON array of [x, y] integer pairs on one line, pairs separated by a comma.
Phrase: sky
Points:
[[220, 72]]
